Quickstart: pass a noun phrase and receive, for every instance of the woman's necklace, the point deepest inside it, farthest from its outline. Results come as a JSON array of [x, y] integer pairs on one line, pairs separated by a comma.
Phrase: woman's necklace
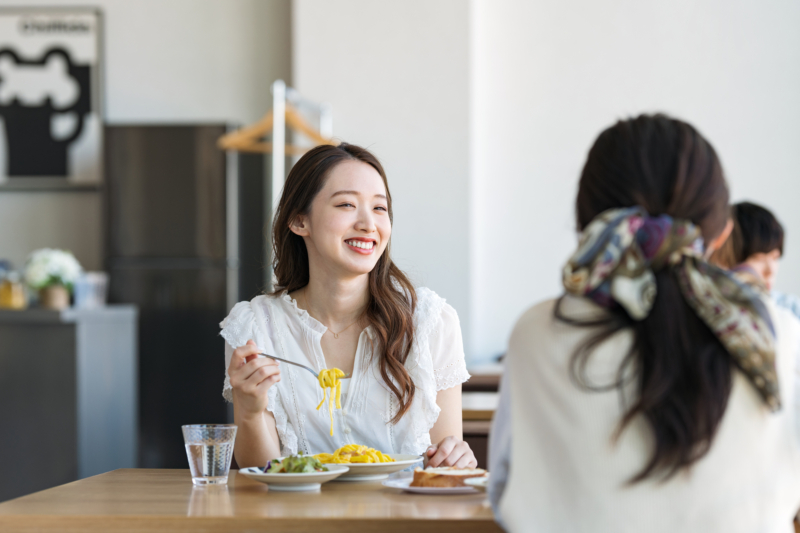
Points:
[[335, 334]]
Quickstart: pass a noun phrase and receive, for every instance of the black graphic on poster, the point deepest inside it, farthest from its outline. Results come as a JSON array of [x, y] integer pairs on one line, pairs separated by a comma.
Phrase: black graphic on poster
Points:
[[32, 147]]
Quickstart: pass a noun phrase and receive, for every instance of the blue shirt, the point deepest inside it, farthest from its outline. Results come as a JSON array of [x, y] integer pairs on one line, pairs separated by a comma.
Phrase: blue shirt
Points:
[[787, 301]]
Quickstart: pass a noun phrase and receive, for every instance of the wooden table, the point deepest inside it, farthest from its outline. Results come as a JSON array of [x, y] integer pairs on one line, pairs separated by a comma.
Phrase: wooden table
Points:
[[165, 500]]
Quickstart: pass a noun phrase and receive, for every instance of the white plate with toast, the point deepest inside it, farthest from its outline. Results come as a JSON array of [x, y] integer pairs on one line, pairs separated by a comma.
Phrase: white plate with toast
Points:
[[480, 483], [441, 480], [405, 484]]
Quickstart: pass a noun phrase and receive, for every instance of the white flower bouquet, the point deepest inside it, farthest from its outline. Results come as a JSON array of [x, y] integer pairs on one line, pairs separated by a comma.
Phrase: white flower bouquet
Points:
[[47, 267]]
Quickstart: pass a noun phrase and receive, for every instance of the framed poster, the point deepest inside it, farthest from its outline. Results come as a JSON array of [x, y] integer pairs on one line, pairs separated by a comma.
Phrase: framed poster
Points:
[[51, 122]]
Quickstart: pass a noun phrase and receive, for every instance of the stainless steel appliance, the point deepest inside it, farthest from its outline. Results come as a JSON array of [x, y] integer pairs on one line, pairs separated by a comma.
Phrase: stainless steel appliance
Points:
[[184, 241]]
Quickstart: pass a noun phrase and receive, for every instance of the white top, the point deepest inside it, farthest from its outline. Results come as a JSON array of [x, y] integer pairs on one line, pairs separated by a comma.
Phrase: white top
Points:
[[279, 327], [566, 474]]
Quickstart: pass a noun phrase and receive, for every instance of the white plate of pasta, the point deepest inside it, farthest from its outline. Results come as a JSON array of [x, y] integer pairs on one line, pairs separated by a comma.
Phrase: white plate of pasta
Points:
[[377, 471], [367, 464]]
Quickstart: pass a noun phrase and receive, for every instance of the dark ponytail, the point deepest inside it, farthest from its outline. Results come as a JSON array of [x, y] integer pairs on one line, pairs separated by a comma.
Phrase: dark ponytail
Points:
[[682, 371]]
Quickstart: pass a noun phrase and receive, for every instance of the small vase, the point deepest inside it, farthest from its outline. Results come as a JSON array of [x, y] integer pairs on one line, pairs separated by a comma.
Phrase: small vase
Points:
[[54, 297], [12, 295]]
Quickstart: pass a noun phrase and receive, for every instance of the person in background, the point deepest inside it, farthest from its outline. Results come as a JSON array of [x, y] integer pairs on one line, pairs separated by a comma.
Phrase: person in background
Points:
[[658, 393], [756, 243], [340, 302]]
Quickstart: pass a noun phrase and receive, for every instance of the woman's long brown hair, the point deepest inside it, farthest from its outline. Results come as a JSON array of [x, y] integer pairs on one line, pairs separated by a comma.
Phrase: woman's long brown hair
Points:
[[392, 299], [682, 371]]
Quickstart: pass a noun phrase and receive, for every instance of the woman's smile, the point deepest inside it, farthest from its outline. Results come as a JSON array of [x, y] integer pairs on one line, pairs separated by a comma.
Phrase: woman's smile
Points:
[[361, 245]]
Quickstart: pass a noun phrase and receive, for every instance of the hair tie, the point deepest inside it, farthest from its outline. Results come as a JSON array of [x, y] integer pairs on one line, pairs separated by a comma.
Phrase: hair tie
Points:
[[620, 250]]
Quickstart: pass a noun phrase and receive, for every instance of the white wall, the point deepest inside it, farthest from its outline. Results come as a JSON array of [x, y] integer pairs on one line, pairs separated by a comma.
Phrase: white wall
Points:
[[166, 61], [548, 76], [397, 76], [482, 112]]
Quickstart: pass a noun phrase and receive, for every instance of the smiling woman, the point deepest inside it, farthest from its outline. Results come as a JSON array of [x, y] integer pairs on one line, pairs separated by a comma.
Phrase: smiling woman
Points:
[[340, 302]]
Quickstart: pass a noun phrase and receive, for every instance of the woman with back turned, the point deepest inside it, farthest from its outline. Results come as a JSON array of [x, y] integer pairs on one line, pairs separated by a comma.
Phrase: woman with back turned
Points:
[[657, 394]]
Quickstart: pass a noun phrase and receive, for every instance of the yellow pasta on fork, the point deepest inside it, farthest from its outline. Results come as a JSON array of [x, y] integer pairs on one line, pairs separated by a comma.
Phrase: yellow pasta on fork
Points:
[[329, 379]]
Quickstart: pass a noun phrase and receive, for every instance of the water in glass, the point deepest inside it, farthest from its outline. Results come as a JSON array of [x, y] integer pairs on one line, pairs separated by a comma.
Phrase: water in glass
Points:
[[209, 462], [209, 448]]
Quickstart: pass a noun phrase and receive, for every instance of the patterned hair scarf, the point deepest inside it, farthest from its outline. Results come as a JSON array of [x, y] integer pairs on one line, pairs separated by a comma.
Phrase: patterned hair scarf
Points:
[[614, 264]]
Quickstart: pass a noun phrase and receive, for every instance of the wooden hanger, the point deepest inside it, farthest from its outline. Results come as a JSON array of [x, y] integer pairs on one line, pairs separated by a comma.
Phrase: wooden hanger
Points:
[[248, 139]]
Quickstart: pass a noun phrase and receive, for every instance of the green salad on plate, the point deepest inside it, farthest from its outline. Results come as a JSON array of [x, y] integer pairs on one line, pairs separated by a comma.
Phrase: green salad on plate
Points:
[[295, 464]]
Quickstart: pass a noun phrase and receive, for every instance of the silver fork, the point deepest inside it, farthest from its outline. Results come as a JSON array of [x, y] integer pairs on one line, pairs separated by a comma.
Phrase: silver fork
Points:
[[316, 375]]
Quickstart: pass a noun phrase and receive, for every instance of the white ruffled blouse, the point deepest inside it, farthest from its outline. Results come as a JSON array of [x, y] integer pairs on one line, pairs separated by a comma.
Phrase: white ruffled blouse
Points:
[[279, 327]]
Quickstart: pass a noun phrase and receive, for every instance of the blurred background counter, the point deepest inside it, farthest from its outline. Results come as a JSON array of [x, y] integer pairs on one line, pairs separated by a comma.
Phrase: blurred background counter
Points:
[[68, 395], [478, 404]]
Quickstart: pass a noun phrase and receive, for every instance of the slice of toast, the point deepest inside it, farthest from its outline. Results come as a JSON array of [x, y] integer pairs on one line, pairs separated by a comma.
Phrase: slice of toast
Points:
[[447, 476]]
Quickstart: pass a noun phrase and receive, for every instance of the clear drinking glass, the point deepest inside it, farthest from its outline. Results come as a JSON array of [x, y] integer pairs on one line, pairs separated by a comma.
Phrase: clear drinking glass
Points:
[[209, 448]]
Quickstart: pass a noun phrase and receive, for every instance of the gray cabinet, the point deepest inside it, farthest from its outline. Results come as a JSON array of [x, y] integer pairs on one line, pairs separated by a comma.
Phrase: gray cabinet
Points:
[[68, 396]]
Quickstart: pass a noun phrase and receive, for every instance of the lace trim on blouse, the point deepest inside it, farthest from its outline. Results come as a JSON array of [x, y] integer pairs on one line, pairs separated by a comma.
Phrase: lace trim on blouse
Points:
[[451, 375], [307, 319]]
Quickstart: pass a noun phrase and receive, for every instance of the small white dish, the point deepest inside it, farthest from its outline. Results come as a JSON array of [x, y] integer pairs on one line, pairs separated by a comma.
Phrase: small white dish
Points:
[[378, 471], [480, 483], [294, 482], [405, 484]]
